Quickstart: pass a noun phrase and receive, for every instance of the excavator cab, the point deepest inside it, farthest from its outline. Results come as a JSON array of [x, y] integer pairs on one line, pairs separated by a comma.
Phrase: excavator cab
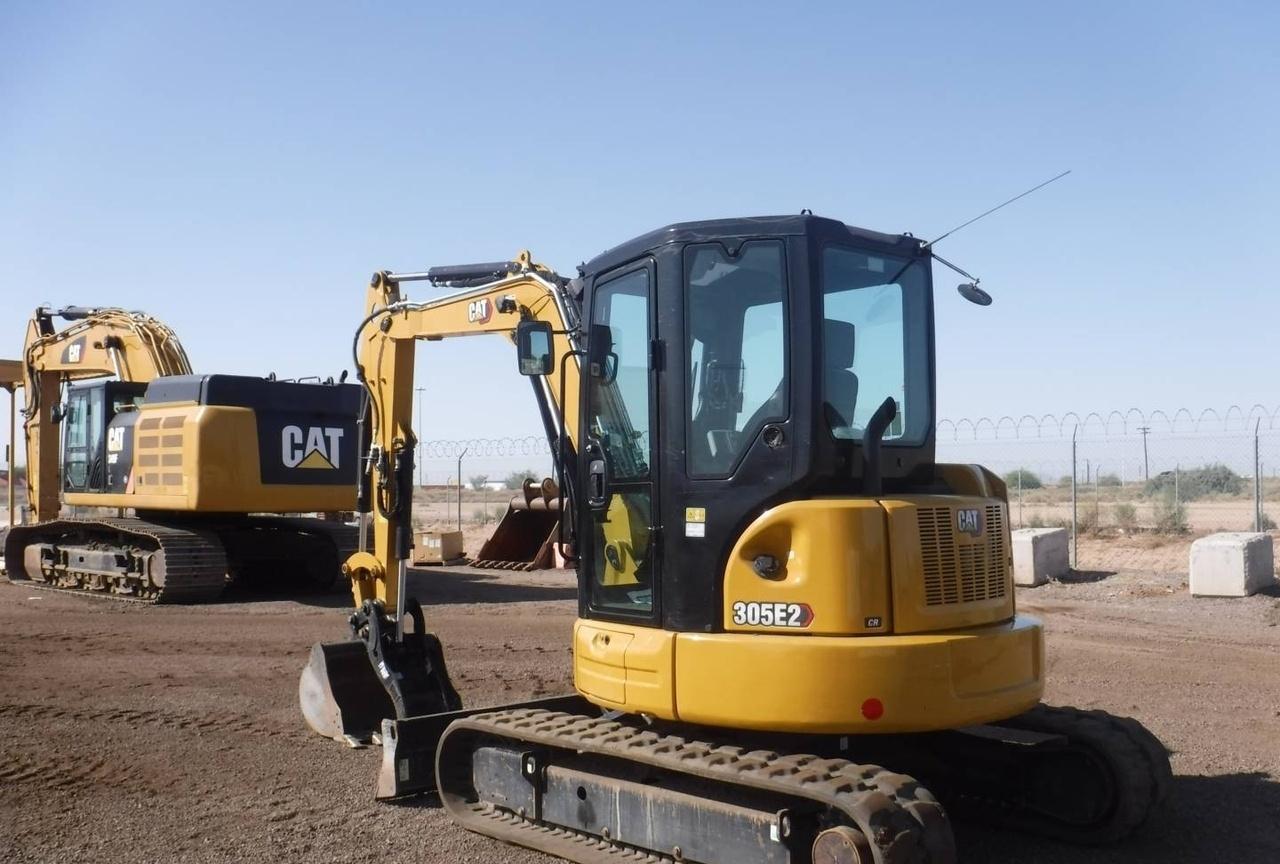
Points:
[[94, 420], [734, 365]]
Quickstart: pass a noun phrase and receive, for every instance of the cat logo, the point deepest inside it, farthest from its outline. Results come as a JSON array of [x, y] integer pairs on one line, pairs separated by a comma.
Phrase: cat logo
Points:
[[317, 447], [74, 352], [969, 522], [480, 311]]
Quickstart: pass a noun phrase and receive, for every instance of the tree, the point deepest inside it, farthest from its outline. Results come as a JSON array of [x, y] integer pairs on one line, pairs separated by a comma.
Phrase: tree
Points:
[[516, 478], [1193, 483], [477, 482], [1029, 480]]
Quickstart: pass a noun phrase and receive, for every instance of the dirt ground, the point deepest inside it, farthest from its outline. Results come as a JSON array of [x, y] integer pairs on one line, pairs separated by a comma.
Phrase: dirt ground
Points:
[[135, 734]]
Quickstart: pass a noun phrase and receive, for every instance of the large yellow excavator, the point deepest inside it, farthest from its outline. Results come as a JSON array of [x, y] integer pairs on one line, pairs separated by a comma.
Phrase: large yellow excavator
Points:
[[780, 589], [197, 458]]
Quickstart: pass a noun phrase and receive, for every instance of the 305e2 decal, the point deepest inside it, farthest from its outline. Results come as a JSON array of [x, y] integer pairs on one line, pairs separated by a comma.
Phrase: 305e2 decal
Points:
[[752, 614]]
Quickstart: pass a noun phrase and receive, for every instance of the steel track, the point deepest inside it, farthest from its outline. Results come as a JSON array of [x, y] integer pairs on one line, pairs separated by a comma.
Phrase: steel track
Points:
[[900, 818]]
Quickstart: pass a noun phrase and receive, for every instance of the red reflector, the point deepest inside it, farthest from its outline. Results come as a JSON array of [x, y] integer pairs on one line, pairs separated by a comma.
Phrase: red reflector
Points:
[[873, 709]]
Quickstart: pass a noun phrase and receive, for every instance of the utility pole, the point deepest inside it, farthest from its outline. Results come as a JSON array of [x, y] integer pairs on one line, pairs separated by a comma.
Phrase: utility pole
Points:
[[422, 480], [1146, 466]]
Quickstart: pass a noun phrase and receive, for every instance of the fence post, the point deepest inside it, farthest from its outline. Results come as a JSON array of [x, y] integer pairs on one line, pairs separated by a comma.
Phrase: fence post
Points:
[[1074, 557], [1257, 480], [460, 455], [1097, 498], [1019, 497]]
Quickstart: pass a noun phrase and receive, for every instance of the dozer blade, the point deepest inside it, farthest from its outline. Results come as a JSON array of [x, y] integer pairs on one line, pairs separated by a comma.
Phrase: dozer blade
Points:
[[340, 694]]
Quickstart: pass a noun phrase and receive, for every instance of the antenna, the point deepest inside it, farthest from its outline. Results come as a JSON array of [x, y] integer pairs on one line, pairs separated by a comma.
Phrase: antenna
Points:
[[995, 208]]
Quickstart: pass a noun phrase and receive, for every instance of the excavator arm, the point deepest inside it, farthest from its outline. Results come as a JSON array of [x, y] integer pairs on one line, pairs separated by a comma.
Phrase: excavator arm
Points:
[[391, 671], [97, 343], [504, 295]]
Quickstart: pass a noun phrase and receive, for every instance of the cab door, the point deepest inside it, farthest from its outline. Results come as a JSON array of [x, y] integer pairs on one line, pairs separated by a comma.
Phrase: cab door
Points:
[[618, 537], [736, 387], [82, 430]]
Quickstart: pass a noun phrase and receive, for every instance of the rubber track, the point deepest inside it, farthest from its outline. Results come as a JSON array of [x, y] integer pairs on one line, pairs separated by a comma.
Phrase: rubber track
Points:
[[195, 566], [1139, 763], [900, 818]]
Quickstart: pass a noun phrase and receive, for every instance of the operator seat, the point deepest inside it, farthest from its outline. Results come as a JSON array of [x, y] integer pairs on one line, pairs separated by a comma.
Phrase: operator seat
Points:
[[840, 383]]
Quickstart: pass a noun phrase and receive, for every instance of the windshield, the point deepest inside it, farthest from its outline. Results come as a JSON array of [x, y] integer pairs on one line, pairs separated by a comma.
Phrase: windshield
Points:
[[736, 350], [875, 336]]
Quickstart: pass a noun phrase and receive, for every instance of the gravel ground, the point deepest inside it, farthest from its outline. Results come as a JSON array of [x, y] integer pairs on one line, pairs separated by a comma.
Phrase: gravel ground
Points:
[[135, 734]]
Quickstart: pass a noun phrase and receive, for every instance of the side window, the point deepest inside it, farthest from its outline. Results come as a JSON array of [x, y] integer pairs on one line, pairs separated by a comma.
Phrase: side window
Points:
[[620, 389], [618, 409], [864, 343], [75, 441], [736, 345]]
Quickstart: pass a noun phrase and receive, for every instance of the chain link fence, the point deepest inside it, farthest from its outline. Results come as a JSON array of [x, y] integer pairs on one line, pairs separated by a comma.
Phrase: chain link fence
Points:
[[1164, 471]]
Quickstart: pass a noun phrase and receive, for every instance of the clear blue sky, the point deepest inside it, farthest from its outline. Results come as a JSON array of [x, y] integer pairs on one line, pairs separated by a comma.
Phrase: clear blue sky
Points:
[[239, 169]]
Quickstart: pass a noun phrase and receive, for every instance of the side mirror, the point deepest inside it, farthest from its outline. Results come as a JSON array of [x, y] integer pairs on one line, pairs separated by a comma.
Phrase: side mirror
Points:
[[604, 361], [533, 348], [971, 292]]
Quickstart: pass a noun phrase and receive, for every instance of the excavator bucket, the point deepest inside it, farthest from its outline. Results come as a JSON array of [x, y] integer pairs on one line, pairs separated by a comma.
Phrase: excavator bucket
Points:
[[340, 694], [525, 538]]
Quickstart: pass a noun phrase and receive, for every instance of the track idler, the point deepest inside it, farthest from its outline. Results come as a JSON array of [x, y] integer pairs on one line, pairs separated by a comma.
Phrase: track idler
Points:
[[348, 688]]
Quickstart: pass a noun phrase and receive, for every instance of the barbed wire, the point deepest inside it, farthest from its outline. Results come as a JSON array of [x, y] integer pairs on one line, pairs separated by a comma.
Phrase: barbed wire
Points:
[[1179, 421], [528, 445], [1093, 424]]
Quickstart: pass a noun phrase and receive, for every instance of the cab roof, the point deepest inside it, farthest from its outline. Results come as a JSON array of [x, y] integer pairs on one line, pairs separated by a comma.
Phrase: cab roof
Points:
[[746, 226]]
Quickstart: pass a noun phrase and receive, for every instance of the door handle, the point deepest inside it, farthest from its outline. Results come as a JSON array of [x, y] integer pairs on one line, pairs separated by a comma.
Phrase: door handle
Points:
[[597, 476]]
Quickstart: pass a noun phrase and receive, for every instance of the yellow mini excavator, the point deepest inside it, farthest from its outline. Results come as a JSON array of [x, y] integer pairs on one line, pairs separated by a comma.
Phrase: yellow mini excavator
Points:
[[198, 458], [780, 589]]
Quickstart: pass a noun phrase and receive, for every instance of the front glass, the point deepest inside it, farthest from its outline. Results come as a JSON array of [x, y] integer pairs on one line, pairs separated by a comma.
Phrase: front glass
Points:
[[736, 348], [875, 337]]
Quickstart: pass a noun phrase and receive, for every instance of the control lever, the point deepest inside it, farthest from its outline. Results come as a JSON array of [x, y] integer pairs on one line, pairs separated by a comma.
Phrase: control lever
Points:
[[876, 427]]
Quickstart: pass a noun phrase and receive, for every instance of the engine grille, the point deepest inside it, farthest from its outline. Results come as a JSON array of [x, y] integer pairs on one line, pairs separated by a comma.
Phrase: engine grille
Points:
[[962, 572], [158, 454]]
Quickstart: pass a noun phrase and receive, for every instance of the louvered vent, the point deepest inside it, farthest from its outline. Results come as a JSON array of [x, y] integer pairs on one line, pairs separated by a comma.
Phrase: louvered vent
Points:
[[158, 454], [961, 572]]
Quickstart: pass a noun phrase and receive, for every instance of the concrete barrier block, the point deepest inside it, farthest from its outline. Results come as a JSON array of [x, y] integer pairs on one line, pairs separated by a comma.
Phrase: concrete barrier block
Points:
[[1040, 554], [1234, 564]]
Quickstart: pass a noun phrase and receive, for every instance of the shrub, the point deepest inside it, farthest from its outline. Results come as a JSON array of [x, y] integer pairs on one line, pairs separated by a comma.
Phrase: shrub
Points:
[[1126, 516], [1029, 479], [1086, 520], [1109, 480], [1171, 515], [1065, 480], [1036, 521], [1196, 483], [477, 482], [1268, 523]]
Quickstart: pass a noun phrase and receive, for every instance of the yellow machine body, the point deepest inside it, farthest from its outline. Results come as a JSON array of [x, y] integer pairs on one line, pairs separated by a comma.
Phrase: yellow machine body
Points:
[[195, 458], [909, 626]]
